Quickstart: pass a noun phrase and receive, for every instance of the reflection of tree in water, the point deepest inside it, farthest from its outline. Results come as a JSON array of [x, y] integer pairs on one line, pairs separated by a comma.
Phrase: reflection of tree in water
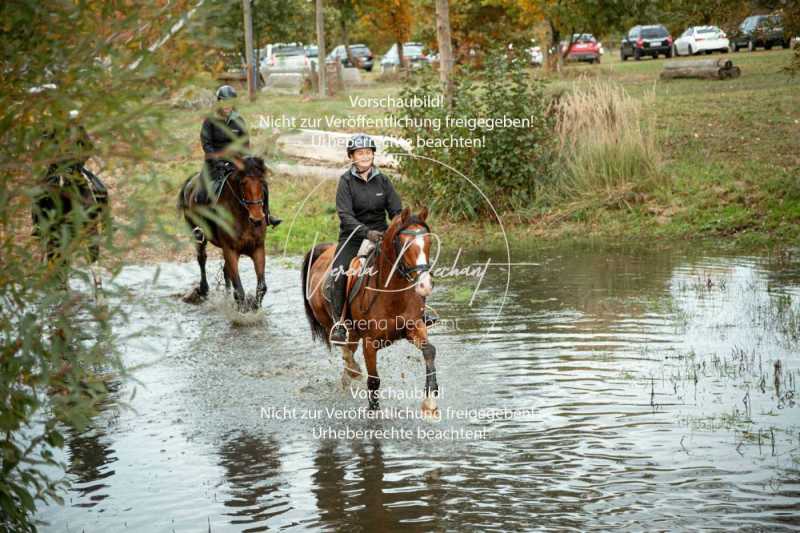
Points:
[[90, 452], [252, 467], [356, 493]]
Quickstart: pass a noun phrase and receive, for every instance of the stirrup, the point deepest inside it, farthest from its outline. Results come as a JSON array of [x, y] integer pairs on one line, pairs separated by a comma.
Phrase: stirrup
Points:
[[199, 235], [340, 324]]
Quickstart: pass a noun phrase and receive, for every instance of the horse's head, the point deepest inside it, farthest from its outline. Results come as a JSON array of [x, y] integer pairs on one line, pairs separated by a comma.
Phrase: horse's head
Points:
[[408, 242], [251, 188]]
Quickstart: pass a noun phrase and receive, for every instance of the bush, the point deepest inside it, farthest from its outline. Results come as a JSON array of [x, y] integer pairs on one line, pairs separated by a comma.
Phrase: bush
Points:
[[510, 164], [57, 348]]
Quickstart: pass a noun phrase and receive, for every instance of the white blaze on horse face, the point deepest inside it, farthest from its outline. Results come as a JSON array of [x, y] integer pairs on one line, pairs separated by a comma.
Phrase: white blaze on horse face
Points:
[[424, 285]]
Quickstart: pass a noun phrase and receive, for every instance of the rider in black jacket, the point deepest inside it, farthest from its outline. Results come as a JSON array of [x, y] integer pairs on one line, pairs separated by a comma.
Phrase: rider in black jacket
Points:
[[224, 137], [363, 199]]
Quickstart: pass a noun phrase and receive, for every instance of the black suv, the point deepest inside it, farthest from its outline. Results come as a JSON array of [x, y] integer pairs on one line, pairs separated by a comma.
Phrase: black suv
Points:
[[646, 41], [760, 31]]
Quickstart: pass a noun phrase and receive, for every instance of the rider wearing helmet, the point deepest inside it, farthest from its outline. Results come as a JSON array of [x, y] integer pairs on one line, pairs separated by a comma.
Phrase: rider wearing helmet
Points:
[[224, 138], [363, 199], [74, 146]]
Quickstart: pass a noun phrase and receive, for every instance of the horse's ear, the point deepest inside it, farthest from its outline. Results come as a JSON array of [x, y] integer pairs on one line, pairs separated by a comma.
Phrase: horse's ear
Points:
[[404, 215], [423, 215]]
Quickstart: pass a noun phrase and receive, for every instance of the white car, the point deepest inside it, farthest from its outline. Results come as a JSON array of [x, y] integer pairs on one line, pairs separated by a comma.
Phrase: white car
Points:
[[537, 58], [698, 39]]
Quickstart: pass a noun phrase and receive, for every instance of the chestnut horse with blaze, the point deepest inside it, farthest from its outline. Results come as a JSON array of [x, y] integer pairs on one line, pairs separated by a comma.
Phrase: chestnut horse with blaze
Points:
[[388, 308]]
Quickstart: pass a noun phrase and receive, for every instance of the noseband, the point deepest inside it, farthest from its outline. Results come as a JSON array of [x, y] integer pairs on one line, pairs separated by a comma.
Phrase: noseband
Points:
[[406, 272], [240, 198]]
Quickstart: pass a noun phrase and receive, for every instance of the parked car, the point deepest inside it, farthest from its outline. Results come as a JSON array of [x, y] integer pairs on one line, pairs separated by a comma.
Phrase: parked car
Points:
[[413, 53], [584, 48], [281, 57], [312, 53], [537, 57], [646, 41], [360, 52], [763, 31], [698, 39]]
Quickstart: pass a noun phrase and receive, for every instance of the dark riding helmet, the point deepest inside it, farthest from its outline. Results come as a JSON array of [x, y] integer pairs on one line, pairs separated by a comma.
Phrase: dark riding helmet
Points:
[[226, 92], [359, 140]]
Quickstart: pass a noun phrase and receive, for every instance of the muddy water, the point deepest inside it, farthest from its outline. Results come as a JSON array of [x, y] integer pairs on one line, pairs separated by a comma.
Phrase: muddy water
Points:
[[624, 388]]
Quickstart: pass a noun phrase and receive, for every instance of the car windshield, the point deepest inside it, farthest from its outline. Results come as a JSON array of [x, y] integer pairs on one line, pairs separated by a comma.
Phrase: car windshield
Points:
[[583, 38], [359, 51], [654, 33], [708, 29], [289, 51], [412, 50]]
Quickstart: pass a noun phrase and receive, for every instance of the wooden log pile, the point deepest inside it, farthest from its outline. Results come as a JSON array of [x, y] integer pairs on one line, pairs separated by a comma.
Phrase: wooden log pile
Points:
[[707, 69]]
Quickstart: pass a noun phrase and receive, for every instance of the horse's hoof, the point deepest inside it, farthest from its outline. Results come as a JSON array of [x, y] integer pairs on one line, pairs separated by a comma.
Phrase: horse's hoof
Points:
[[430, 410], [194, 296]]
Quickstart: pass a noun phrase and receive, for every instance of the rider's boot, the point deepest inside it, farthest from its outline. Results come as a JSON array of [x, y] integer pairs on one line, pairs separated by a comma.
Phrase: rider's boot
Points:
[[339, 330], [273, 221]]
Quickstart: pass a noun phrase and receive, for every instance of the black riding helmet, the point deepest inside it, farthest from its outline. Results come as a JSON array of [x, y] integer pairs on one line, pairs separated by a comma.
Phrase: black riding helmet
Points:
[[359, 140], [226, 92]]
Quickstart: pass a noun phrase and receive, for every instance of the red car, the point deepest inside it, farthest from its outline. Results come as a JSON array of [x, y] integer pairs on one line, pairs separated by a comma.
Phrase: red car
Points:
[[584, 48]]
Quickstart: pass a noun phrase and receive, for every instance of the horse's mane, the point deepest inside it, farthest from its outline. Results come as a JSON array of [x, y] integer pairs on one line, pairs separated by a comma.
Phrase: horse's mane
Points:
[[254, 166]]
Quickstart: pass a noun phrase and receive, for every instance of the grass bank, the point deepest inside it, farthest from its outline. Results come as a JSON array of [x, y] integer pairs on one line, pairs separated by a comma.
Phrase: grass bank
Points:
[[728, 169]]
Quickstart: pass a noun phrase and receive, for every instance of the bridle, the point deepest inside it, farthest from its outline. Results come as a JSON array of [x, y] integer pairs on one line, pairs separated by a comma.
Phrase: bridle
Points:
[[413, 272], [240, 197]]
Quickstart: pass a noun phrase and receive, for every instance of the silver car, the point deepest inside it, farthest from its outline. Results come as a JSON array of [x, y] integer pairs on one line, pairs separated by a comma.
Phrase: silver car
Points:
[[284, 58]]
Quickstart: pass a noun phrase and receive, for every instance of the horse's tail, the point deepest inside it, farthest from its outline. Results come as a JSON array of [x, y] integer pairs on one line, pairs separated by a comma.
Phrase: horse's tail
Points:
[[318, 332]]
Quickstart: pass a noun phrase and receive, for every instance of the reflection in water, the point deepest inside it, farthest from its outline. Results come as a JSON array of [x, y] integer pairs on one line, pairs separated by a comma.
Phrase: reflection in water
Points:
[[251, 464], [660, 391]]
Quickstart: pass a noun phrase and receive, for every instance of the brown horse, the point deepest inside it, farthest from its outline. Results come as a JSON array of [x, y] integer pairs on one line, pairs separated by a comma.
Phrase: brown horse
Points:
[[72, 204], [390, 306], [242, 196]]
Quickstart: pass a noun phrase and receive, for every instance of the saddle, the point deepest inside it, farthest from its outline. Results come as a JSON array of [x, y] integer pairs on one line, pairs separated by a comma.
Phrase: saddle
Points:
[[217, 179], [82, 178], [357, 274]]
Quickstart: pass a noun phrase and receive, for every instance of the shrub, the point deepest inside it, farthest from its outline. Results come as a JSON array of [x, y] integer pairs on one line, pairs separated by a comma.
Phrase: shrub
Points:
[[506, 169]]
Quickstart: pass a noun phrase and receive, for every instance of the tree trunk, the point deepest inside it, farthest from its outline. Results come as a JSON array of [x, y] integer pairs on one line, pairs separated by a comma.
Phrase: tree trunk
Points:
[[699, 63], [445, 49], [248, 47], [321, 49], [346, 40], [554, 59], [401, 57], [707, 73]]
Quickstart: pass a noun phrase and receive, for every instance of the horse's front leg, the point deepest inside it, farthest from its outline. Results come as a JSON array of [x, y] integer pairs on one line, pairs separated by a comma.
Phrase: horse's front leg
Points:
[[259, 258], [419, 337], [232, 268], [199, 293], [373, 381]]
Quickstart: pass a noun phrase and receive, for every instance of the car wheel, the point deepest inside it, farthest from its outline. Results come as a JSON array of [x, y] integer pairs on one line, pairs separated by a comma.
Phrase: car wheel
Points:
[[724, 50], [672, 51], [708, 52], [637, 54], [690, 50], [751, 46], [768, 46], [785, 44], [622, 55], [735, 47]]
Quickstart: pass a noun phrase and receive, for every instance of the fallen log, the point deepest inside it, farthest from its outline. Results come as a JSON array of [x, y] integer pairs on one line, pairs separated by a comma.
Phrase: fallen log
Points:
[[699, 63], [705, 73]]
